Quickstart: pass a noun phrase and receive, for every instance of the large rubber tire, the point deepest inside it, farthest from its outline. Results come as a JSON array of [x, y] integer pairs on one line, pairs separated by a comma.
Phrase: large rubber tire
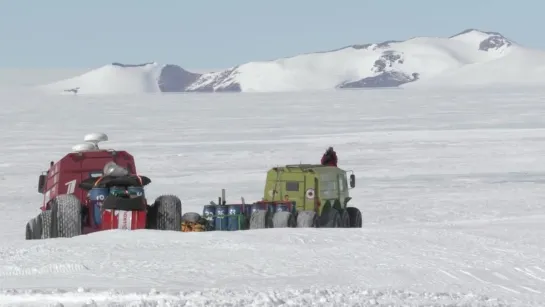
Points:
[[168, 213], [28, 231], [66, 216], [37, 227], [345, 219], [307, 219], [260, 219], [45, 217], [356, 220], [284, 219], [330, 218], [32, 230]]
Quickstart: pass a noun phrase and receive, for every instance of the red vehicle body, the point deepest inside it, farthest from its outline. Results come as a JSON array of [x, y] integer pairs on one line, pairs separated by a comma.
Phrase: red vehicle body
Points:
[[65, 176], [67, 209]]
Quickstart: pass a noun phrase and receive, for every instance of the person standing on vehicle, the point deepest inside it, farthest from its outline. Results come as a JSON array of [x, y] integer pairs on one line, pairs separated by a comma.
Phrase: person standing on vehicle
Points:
[[329, 158]]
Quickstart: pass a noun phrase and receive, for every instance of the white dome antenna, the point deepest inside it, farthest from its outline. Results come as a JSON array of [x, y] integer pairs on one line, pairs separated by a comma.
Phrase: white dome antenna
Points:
[[95, 138], [84, 147]]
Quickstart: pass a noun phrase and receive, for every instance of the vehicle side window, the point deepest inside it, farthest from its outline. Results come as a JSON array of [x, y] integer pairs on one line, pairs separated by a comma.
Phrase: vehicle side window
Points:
[[292, 186], [329, 188]]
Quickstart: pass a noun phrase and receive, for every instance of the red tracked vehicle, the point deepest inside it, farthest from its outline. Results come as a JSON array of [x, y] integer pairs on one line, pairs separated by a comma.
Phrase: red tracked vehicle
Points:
[[92, 189]]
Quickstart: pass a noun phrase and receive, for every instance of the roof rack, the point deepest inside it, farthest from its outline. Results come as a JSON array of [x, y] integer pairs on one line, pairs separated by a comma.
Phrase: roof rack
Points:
[[304, 165]]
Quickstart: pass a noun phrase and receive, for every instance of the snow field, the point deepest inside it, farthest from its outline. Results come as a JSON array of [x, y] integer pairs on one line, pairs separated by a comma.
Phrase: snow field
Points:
[[449, 184]]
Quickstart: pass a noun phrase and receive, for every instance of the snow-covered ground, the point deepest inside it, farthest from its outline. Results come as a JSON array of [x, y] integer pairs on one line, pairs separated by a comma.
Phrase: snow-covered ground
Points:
[[450, 184]]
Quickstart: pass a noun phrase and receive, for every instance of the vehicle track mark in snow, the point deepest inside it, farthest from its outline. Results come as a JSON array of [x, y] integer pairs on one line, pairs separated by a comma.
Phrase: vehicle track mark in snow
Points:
[[530, 289], [529, 273], [501, 276], [448, 274], [509, 289], [489, 283]]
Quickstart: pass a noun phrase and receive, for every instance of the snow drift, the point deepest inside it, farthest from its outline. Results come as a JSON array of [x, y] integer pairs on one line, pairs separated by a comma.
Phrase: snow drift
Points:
[[472, 57]]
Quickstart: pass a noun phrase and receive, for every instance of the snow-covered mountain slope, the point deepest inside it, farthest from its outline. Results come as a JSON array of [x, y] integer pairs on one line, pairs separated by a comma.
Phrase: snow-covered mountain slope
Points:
[[387, 64], [118, 78], [450, 185], [470, 57], [523, 67]]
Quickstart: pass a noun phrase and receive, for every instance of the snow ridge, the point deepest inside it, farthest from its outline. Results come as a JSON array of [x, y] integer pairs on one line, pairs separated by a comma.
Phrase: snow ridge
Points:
[[467, 58]]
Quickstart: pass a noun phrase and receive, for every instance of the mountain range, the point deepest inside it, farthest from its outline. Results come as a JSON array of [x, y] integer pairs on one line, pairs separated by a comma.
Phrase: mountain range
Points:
[[471, 57]]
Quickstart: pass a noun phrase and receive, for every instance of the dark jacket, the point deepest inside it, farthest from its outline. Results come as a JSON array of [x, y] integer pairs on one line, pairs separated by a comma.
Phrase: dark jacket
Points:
[[329, 158]]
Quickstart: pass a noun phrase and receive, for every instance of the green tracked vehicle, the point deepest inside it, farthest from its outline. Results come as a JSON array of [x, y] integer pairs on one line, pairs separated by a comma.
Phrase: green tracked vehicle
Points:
[[320, 194]]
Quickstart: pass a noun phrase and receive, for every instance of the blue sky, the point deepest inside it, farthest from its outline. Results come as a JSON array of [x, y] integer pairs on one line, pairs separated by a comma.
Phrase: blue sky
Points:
[[220, 33]]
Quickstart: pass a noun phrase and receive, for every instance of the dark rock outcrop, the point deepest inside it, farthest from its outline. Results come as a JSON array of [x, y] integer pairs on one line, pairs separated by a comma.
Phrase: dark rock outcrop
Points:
[[173, 78], [387, 60], [131, 65], [386, 75], [494, 42], [385, 79]]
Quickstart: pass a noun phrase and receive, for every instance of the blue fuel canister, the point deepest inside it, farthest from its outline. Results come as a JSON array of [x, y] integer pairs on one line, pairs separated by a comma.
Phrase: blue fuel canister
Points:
[[208, 213], [236, 218], [221, 217], [96, 198]]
